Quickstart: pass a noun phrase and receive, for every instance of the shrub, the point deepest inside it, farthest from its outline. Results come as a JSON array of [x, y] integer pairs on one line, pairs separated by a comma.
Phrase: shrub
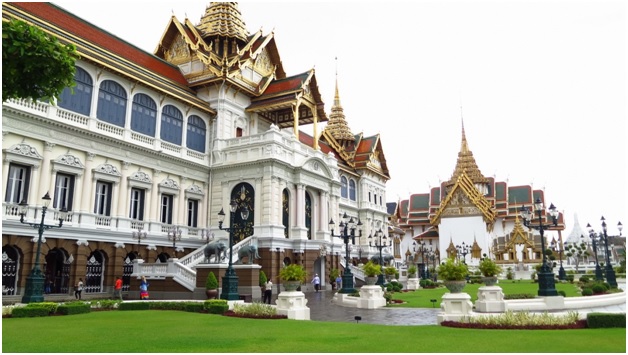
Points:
[[134, 306], [371, 269], [584, 279], [412, 270], [587, 292], [519, 296], [21, 312], [73, 308], [394, 286], [167, 305], [489, 268], [475, 279], [293, 272], [212, 282], [570, 278], [255, 309], [606, 320], [510, 318], [196, 307], [388, 296], [598, 288], [453, 270], [262, 278], [426, 283], [390, 271], [219, 306], [105, 304], [562, 293], [509, 274], [333, 274]]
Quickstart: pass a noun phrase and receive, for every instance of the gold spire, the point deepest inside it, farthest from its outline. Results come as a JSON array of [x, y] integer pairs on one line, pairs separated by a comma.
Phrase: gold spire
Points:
[[466, 163], [337, 125], [223, 19]]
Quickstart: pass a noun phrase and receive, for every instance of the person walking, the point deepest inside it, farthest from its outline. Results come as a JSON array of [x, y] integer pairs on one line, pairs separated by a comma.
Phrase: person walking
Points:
[[117, 289], [143, 289], [338, 282], [268, 291], [78, 289], [317, 282]]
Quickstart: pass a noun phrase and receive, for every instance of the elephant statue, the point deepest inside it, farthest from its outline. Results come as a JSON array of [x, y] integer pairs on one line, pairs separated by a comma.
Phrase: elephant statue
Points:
[[217, 248], [387, 259], [249, 251]]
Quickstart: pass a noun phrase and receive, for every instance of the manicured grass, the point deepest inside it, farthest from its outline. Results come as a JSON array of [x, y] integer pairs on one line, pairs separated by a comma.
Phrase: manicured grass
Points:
[[421, 297], [177, 332]]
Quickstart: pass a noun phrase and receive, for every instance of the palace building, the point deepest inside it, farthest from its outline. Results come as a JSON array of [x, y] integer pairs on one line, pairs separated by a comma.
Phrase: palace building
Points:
[[148, 149]]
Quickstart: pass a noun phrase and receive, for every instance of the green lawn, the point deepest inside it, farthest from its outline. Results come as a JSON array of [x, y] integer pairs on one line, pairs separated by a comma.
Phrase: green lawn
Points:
[[177, 331], [421, 298]]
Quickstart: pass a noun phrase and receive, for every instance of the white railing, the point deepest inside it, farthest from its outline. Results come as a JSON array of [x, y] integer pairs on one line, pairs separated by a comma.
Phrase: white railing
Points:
[[357, 272], [181, 270]]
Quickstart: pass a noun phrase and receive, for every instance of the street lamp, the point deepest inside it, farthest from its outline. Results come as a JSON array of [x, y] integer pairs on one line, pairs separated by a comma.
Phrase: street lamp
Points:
[[463, 250], [347, 230], [230, 280], [610, 273], [139, 234], [174, 234], [421, 250], [561, 271], [594, 238], [546, 276], [380, 244], [34, 291]]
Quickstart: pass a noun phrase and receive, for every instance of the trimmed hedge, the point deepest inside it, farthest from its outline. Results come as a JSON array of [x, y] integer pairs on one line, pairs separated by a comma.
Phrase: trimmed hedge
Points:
[[134, 306], [606, 320], [22, 312], [519, 296], [193, 307], [73, 308], [218, 306]]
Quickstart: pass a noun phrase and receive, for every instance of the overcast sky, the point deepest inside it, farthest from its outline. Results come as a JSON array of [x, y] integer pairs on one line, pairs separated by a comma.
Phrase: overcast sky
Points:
[[542, 84]]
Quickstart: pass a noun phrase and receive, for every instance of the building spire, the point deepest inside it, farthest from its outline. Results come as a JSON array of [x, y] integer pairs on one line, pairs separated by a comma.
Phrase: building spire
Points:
[[466, 162], [223, 19], [337, 125]]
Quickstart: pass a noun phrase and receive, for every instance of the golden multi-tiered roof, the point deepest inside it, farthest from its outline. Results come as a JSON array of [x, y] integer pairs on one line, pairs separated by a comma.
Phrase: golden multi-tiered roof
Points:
[[337, 125], [466, 163], [223, 19]]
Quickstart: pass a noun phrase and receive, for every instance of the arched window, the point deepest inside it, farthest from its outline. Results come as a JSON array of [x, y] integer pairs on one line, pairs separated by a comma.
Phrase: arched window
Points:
[[196, 134], [285, 212], [244, 195], [171, 123], [81, 100], [343, 187], [143, 115], [111, 103], [352, 190]]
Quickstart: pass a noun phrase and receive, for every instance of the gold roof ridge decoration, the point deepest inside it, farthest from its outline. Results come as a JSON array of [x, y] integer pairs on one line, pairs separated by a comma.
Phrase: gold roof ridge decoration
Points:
[[223, 19], [518, 236], [464, 184], [466, 163]]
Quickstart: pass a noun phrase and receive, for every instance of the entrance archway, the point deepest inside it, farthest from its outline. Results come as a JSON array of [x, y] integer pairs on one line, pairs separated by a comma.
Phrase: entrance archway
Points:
[[58, 270]]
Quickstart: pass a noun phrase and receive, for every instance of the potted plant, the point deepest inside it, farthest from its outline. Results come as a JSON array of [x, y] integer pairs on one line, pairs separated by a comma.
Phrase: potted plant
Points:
[[292, 275], [211, 286], [412, 271], [489, 270], [371, 270], [333, 275], [390, 272], [454, 274]]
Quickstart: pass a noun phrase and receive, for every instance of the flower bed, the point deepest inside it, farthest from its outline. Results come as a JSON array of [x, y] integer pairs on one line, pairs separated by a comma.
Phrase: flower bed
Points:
[[577, 325], [254, 316]]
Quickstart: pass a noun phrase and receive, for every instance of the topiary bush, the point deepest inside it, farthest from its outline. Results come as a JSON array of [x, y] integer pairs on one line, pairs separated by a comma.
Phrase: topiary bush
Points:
[[73, 308], [22, 312], [584, 279], [195, 307], [587, 292], [598, 289], [134, 306], [216, 306]]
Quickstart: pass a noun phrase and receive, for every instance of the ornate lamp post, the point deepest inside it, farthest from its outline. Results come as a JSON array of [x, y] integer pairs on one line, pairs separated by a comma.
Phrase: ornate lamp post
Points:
[[432, 257], [230, 280], [421, 250], [463, 250], [34, 291], [380, 244], [610, 273], [561, 271], [347, 230], [174, 234], [594, 238], [547, 286], [139, 234]]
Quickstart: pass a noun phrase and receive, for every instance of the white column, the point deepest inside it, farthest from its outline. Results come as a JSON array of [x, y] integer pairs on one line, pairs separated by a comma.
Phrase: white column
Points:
[[78, 192], [300, 206], [154, 211], [44, 178], [181, 219], [88, 184], [53, 181], [123, 198]]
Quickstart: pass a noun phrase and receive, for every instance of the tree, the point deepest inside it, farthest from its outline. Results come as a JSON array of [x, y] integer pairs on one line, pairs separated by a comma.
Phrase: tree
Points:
[[576, 252], [34, 64]]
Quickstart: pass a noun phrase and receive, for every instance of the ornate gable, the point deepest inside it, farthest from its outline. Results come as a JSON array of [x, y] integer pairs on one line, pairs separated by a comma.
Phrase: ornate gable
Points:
[[464, 199]]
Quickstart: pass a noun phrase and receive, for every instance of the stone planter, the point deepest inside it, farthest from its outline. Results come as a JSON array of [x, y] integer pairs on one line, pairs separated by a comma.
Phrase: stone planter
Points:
[[489, 280], [370, 280], [455, 286], [211, 294], [291, 286]]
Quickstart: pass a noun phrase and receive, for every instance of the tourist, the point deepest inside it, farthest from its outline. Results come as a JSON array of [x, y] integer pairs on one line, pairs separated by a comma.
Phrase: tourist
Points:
[[117, 289], [78, 289], [268, 291], [317, 282], [144, 289]]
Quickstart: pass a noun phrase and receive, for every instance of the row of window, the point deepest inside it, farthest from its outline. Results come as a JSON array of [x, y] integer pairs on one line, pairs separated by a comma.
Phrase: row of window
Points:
[[18, 186], [112, 102], [347, 190]]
